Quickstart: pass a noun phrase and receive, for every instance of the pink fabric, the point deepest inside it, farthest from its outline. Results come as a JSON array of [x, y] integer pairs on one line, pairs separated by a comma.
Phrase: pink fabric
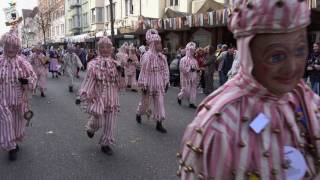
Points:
[[154, 73], [130, 67], [107, 121], [100, 88], [267, 17], [189, 79], [40, 69], [229, 148], [13, 99]]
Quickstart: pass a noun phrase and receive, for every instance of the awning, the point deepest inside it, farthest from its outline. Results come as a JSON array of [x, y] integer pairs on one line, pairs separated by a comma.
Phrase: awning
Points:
[[77, 38], [170, 13]]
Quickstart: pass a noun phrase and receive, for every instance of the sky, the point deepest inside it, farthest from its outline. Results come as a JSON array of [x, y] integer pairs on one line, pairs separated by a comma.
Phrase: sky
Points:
[[21, 4]]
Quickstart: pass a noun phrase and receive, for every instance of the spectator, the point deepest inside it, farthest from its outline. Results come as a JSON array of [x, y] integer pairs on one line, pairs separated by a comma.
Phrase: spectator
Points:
[[209, 62], [313, 67], [225, 63]]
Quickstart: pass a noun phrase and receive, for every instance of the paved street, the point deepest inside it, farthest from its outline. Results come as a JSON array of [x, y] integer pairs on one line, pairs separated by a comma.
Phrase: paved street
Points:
[[57, 148]]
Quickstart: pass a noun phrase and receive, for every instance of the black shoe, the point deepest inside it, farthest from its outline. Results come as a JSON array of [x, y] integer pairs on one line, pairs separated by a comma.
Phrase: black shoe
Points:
[[107, 150], [70, 89], [90, 134], [13, 154], [129, 87], [57, 76], [160, 127], [138, 119], [42, 94], [179, 101], [192, 106], [133, 90]]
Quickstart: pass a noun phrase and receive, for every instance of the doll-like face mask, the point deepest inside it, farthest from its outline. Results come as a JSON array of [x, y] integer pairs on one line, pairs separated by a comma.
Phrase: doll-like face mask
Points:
[[279, 60]]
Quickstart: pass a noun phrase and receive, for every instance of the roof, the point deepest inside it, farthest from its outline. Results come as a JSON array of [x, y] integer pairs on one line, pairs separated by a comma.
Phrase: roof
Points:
[[29, 13], [170, 13], [210, 5]]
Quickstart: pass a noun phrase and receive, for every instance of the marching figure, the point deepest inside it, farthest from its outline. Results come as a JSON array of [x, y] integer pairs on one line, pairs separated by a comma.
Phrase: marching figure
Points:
[[264, 122], [122, 55], [153, 80], [39, 63], [130, 68], [189, 76], [100, 94], [16, 78], [71, 62]]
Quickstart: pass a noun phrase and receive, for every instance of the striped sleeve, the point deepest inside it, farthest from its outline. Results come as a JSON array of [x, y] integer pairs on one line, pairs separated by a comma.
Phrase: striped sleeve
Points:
[[166, 74], [88, 84], [207, 146], [31, 75], [142, 81]]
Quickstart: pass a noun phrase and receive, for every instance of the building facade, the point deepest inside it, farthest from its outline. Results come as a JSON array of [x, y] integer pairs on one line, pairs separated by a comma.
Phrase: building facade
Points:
[[29, 28], [57, 25]]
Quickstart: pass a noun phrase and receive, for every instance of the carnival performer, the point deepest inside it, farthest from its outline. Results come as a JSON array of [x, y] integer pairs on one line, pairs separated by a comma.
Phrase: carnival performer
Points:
[[153, 80], [264, 122], [39, 63], [189, 76], [71, 62], [16, 79], [54, 64], [99, 93], [122, 55], [130, 68]]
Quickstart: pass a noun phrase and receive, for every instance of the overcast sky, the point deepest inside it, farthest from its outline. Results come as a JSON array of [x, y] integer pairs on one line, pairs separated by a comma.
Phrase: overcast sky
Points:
[[21, 4]]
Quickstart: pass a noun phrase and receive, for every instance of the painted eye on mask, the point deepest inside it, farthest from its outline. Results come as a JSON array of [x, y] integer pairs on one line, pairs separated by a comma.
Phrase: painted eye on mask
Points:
[[299, 52], [276, 58]]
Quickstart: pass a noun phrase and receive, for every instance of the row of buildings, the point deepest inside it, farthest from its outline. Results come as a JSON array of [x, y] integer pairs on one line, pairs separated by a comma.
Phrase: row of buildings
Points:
[[178, 21]]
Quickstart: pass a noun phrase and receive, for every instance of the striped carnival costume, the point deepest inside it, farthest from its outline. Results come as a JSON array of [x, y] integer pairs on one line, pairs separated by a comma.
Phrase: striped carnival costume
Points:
[[153, 80], [250, 127]]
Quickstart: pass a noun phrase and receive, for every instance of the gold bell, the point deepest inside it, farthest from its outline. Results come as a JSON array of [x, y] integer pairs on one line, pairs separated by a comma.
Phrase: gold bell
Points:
[[201, 176], [217, 114], [266, 154], [244, 119], [199, 130], [178, 173], [242, 144], [276, 131], [179, 155], [189, 144]]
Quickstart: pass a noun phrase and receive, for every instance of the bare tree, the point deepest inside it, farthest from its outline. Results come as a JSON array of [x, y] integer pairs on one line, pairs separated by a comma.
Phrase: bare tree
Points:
[[43, 20]]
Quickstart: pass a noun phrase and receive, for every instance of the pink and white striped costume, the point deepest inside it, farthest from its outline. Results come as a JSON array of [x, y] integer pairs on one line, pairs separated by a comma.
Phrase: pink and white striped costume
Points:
[[40, 69], [130, 67], [13, 95], [188, 74], [154, 77], [219, 143], [122, 54], [100, 93]]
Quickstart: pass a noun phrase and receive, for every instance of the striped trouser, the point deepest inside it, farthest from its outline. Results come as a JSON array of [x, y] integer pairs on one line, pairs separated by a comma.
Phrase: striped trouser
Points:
[[189, 92], [107, 121], [12, 126], [158, 113]]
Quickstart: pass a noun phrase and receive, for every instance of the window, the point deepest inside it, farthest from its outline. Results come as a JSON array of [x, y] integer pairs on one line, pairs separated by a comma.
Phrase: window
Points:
[[76, 21], [100, 18], [70, 23], [57, 30], [85, 19], [62, 29], [93, 15], [128, 7], [174, 2], [52, 31], [108, 12]]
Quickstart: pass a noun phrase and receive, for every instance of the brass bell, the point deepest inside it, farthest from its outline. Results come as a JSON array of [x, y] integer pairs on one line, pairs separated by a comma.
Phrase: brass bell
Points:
[[199, 130], [179, 155]]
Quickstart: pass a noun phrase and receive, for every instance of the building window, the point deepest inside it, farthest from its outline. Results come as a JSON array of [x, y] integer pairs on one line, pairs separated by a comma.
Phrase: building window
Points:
[[128, 7], [93, 15], [85, 19], [62, 28], [174, 2], [57, 30], [52, 31], [108, 12], [100, 14], [70, 24]]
